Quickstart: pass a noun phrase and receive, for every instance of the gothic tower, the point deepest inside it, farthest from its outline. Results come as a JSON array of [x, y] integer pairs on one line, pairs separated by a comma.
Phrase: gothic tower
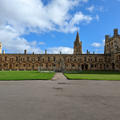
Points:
[[0, 48], [77, 45], [112, 44]]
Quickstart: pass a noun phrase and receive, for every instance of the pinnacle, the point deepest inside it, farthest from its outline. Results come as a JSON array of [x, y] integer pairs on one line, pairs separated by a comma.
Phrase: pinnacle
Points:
[[77, 37]]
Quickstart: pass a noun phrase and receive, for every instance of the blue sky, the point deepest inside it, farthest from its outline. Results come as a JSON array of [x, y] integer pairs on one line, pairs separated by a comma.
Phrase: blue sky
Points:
[[37, 25]]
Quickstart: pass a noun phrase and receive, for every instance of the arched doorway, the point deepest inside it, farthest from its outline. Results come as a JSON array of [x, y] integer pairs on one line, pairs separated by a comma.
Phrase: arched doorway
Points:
[[113, 66], [10, 66], [84, 66]]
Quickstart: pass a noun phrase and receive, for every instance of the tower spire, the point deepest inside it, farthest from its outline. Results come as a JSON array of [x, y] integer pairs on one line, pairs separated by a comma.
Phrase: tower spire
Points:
[[77, 45], [78, 37]]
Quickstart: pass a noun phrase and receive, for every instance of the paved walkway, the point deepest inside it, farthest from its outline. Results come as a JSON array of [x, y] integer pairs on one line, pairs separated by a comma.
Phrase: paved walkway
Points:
[[59, 76]]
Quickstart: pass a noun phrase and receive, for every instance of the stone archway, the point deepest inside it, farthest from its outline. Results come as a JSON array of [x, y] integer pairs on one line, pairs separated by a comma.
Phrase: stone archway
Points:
[[11, 67], [84, 66], [113, 66]]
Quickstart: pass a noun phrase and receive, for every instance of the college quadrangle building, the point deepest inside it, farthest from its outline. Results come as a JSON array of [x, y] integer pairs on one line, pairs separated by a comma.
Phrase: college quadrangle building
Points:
[[110, 60]]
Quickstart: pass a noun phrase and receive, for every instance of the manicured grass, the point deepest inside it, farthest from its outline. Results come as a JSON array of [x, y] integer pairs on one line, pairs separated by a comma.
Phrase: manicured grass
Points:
[[93, 75], [25, 75]]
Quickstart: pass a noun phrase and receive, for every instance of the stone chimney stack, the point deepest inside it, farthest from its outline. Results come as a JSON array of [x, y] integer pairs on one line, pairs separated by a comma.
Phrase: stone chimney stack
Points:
[[115, 32], [3, 51], [45, 51], [106, 38], [0, 48], [25, 52]]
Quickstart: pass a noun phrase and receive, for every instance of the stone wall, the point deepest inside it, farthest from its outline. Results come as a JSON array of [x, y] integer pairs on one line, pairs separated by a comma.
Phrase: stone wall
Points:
[[58, 62]]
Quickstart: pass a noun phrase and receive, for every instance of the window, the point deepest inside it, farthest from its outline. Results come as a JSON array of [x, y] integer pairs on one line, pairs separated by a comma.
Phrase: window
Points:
[[5, 58], [100, 59], [48, 59], [95, 59], [107, 66], [54, 65], [119, 57], [92, 65], [33, 59], [28, 58], [73, 65], [54, 59], [16, 58], [38, 58], [11, 59]]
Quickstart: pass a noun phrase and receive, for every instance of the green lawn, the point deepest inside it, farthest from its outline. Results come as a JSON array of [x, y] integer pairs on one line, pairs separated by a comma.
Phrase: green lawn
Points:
[[25, 75], [93, 75]]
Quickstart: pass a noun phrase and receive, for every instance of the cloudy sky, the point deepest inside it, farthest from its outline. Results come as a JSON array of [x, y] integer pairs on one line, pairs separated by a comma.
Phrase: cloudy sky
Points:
[[37, 25]]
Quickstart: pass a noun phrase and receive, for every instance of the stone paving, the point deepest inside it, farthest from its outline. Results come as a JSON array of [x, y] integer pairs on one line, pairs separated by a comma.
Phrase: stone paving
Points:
[[59, 76], [60, 99]]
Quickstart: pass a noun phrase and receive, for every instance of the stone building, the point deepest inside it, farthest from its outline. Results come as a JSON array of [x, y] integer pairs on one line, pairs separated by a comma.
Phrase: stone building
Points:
[[77, 61]]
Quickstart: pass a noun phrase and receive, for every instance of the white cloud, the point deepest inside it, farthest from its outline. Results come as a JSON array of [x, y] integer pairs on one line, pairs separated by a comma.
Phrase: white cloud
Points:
[[41, 43], [57, 50], [80, 17], [97, 17], [95, 44], [34, 16], [91, 8], [12, 41], [19, 17]]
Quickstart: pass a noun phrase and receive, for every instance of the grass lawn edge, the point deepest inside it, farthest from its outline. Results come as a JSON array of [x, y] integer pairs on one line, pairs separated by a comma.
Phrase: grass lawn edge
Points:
[[69, 78], [9, 76]]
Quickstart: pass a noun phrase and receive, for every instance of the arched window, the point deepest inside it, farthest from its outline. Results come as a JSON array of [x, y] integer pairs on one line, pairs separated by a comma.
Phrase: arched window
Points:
[[54, 59], [48, 59]]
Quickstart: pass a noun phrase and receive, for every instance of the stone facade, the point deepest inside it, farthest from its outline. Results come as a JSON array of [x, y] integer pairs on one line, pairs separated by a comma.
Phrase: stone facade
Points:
[[110, 60]]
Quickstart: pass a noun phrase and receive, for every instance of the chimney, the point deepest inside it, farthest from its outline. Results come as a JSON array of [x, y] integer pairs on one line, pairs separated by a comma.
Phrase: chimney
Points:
[[3, 51], [115, 32], [45, 51], [87, 52], [106, 38], [25, 52]]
